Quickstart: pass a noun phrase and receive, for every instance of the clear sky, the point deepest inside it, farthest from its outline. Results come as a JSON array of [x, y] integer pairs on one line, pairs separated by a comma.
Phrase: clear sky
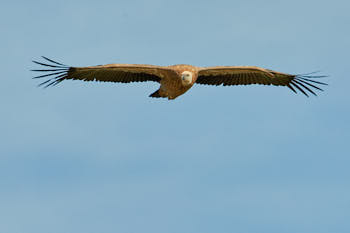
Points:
[[103, 157]]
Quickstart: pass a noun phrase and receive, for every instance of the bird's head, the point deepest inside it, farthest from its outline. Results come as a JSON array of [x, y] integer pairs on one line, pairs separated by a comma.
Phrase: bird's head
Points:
[[186, 78]]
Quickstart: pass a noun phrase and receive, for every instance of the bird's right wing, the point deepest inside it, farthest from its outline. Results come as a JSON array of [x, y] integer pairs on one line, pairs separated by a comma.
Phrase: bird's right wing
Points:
[[246, 75], [122, 73]]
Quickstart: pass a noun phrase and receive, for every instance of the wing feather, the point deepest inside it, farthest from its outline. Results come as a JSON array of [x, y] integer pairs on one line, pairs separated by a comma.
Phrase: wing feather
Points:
[[123, 73], [246, 75]]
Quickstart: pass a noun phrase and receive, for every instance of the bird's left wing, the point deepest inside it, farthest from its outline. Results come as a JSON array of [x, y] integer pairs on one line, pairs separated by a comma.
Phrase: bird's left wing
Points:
[[246, 75], [123, 73]]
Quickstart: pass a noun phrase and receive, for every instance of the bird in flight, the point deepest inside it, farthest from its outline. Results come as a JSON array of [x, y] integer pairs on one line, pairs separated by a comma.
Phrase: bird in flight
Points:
[[175, 80]]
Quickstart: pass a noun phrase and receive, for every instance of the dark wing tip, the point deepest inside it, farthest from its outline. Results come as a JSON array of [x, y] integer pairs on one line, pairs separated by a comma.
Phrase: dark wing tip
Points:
[[50, 60], [59, 71], [305, 83]]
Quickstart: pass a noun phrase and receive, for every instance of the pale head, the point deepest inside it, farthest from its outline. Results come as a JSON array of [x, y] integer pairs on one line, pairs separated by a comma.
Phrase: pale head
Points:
[[186, 78]]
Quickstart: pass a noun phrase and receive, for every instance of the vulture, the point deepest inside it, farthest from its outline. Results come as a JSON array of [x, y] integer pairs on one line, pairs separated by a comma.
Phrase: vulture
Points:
[[175, 80]]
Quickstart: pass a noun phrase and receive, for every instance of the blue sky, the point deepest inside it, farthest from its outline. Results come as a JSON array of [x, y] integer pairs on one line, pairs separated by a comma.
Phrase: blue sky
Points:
[[101, 157]]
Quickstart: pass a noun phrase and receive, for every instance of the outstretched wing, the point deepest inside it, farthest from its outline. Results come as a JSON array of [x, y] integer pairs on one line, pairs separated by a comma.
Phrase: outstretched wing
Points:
[[123, 73], [246, 75]]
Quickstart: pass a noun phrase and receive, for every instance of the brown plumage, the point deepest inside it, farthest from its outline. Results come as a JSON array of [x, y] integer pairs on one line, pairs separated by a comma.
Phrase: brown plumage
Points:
[[177, 79]]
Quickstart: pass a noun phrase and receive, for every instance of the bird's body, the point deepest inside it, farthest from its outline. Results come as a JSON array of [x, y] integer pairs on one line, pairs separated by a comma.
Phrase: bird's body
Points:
[[175, 80], [171, 85]]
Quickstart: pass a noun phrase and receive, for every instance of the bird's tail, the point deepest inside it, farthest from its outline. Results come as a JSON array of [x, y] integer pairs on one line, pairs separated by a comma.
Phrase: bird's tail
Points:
[[156, 94]]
